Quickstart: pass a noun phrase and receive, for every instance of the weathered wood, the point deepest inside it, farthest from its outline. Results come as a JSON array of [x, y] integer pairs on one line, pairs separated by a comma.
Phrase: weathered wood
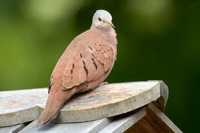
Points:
[[148, 119], [105, 101], [162, 100], [119, 125], [12, 129], [21, 106], [162, 119], [116, 124], [154, 122], [86, 127]]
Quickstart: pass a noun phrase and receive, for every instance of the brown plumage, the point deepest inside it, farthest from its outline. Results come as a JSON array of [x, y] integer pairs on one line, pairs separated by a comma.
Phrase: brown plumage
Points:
[[84, 65]]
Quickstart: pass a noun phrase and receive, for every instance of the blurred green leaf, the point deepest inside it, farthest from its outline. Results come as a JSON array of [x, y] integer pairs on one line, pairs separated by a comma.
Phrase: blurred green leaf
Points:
[[158, 40]]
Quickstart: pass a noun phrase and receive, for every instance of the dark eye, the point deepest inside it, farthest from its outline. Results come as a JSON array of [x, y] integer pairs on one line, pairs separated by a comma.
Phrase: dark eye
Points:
[[99, 19]]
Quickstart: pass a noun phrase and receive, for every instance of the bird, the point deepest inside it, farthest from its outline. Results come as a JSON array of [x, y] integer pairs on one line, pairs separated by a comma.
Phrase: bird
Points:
[[84, 65]]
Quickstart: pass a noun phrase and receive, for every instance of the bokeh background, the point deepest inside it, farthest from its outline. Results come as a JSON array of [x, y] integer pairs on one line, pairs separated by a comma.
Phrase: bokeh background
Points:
[[158, 40]]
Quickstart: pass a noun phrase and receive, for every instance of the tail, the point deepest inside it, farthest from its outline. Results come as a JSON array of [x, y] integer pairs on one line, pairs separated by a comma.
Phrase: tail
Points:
[[55, 102]]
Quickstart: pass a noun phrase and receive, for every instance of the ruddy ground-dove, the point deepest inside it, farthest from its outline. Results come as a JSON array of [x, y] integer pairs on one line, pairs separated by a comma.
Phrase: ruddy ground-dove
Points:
[[84, 65]]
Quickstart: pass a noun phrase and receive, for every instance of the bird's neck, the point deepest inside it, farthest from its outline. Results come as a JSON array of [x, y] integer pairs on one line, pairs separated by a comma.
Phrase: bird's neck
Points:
[[109, 35]]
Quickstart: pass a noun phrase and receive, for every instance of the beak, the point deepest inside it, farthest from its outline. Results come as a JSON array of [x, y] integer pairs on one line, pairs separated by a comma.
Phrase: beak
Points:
[[110, 23]]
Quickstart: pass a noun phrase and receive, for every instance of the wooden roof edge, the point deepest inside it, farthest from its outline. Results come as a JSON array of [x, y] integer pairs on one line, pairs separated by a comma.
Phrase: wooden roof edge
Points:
[[85, 107], [164, 94]]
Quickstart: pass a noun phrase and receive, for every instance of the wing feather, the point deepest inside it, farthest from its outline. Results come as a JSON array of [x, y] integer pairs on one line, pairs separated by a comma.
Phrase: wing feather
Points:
[[86, 60]]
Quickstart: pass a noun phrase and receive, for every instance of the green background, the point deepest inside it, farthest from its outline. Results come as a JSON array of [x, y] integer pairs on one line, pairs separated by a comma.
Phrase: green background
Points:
[[158, 40]]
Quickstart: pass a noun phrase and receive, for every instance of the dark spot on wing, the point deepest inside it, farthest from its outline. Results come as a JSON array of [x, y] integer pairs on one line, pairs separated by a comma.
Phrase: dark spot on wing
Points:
[[83, 62], [92, 55], [90, 47], [81, 55], [94, 63], [85, 68], [107, 71], [72, 68], [71, 71]]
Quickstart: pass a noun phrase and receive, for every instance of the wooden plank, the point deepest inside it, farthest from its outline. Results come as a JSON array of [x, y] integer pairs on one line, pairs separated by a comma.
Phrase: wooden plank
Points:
[[21, 106], [12, 129], [166, 124], [116, 124], [122, 124], [105, 101], [86, 127], [162, 100], [154, 122]]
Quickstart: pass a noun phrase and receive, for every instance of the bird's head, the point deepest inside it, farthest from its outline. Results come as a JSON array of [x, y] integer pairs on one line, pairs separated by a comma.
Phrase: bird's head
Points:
[[102, 20]]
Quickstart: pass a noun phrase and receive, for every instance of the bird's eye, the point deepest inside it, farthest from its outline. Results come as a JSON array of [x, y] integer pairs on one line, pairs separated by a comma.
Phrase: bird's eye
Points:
[[99, 19]]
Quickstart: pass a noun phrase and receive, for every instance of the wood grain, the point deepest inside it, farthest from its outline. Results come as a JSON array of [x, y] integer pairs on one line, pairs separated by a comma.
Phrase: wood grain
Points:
[[154, 122], [12, 129], [105, 101], [116, 124]]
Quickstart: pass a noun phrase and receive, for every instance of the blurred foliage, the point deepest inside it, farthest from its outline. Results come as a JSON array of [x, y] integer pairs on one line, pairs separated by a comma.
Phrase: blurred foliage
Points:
[[158, 40]]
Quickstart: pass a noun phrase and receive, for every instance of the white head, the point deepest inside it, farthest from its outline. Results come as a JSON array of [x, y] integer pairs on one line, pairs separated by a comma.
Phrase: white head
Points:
[[102, 20]]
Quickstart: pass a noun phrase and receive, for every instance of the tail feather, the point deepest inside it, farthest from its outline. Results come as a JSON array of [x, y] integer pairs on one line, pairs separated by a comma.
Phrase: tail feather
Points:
[[55, 102], [47, 116], [50, 112]]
